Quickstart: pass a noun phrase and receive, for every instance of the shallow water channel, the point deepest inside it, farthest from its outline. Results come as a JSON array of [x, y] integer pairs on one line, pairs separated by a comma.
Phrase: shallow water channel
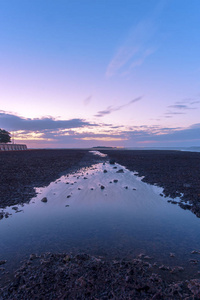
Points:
[[123, 219]]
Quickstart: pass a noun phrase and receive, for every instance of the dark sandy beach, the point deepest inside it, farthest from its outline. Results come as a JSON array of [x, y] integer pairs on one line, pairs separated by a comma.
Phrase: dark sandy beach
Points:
[[81, 276]]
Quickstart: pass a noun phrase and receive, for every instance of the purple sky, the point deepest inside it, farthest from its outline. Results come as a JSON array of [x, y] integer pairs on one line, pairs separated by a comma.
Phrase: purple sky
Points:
[[83, 73]]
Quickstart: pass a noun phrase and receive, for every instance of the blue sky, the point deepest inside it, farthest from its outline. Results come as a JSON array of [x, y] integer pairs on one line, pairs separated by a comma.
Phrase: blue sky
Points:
[[81, 73]]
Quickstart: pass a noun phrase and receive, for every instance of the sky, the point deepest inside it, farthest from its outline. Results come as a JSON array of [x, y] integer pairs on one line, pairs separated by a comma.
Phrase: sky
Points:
[[84, 73]]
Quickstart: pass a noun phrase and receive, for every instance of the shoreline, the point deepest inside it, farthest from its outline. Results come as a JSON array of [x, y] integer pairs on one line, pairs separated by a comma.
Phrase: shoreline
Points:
[[177, 172], [22, 171]]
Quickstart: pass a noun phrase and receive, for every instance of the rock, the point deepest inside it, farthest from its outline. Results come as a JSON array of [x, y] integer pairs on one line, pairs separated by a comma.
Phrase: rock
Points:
[[44, 199], [164, 268], [15, 208], [32, 256], [112, 161], [193, 261], [120, 171]]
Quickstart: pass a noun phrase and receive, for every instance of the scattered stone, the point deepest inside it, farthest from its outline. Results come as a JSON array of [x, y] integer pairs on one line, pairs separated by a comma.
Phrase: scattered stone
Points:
[[126, 187], [105, 171], [134, 189], [112, 161], [79, 189], [161, 195], [32, 256], [67, 205], [68, 196], [2, 262], [120, 171], [44, 199], [164, 268], [84, 177], [176, 270], [193, 261], [115, 180], [102, 187], [15, 208]]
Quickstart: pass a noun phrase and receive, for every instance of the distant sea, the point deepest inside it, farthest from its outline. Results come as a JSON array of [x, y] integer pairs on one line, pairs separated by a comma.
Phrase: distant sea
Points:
[[191, 149]]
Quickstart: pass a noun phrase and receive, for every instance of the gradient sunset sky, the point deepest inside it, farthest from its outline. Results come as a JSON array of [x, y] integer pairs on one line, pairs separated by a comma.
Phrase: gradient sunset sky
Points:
[[82, 73]]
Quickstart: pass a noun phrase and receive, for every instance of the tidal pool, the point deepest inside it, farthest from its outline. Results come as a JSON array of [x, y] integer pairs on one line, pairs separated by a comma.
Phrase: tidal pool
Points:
[[101, 211]]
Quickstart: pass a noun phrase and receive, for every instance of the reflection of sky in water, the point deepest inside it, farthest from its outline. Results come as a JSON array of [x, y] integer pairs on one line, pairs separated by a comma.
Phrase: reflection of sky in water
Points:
[[113, 222]]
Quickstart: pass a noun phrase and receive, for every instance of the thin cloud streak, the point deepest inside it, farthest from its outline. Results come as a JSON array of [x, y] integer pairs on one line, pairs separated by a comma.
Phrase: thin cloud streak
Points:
[[111, 109], [135, 48]]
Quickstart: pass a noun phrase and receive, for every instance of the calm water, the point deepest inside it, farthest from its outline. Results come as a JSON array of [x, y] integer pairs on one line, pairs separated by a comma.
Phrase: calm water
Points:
[[113, 222]]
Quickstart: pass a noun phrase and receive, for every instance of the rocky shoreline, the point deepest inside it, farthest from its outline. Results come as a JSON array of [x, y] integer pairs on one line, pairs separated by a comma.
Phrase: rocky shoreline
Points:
[[176, 171], [21, 171], [81, 276]]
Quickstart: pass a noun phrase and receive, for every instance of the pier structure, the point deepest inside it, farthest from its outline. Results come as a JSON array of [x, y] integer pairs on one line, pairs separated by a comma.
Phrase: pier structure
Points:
[[12, 147]]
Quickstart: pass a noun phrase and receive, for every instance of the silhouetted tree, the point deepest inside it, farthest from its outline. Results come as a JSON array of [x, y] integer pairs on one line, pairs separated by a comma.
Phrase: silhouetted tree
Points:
[[4, 136]]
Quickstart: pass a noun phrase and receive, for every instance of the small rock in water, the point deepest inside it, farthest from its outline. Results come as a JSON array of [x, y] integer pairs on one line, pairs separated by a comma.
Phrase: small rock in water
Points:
[[115, 180], [15, 208], [112, 161], [120, 171], [102, 187], [44, 199]]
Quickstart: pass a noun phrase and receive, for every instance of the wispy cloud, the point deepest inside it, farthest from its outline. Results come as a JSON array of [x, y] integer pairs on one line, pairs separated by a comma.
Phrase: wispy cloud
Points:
[[180, 106], [87, 100], [135, 49], [111, 109]]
